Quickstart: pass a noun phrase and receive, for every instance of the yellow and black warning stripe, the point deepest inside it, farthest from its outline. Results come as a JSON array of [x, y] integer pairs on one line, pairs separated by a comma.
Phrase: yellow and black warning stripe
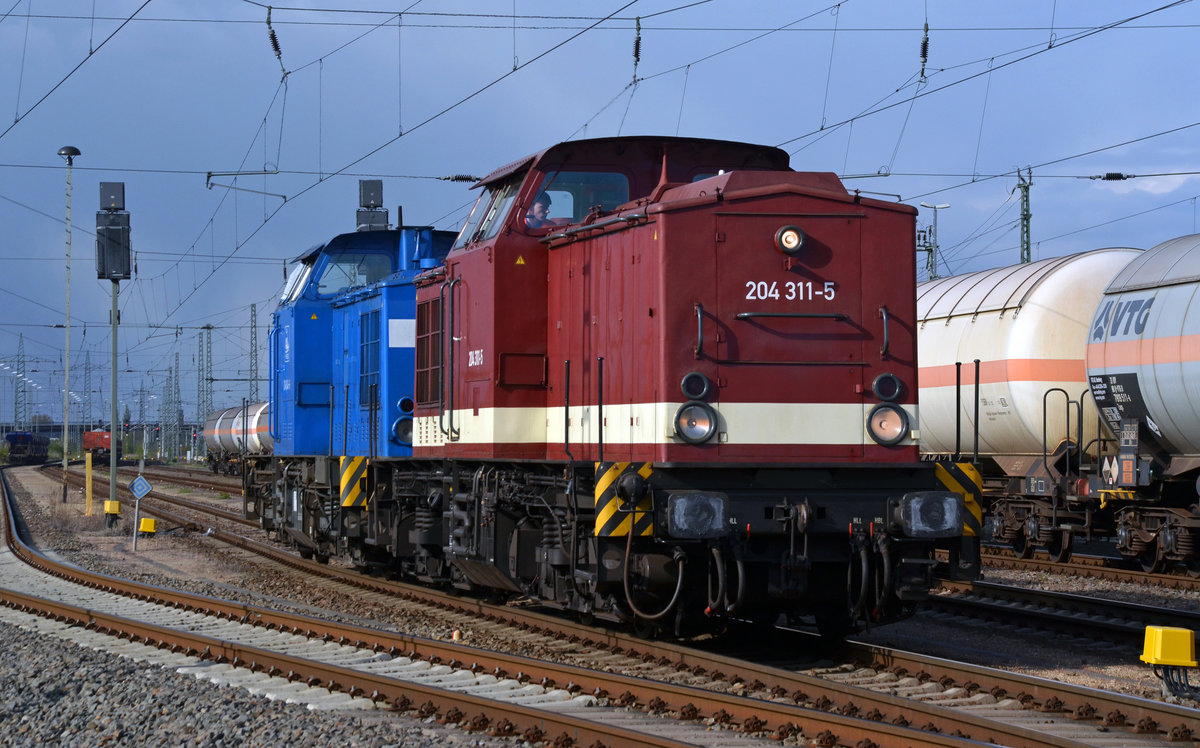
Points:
[[612, 520], [351, 477], [964, 479], [1116, 494]]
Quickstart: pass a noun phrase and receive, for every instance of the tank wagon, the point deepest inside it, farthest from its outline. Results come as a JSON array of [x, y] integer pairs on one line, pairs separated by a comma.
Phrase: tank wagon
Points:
[[1081, 413], [685, 393], [26, 448], [1143, 366], [232, 433]]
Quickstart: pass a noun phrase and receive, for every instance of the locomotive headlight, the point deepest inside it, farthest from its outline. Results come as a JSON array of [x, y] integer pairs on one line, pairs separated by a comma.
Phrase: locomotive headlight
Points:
[[789, 239], [930, 514], [402, 430], [697, 515], [695, 422], [887, 424]]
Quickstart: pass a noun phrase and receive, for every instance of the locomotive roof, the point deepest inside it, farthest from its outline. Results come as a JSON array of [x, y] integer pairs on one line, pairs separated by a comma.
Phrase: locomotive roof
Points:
[[647, 148], [1167, 264]]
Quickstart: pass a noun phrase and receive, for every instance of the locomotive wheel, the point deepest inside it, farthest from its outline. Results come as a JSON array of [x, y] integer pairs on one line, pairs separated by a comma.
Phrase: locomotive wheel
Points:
[[1149, 559], [1021, 546], [1060, 546]]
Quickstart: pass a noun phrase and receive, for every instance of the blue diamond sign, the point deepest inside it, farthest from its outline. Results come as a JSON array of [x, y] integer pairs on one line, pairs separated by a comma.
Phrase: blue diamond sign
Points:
[[140, 487]]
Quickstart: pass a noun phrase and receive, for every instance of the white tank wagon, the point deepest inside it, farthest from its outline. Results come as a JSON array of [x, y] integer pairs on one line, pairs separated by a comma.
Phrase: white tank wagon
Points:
[[233, 432], [1143, 365], [1028, 326]]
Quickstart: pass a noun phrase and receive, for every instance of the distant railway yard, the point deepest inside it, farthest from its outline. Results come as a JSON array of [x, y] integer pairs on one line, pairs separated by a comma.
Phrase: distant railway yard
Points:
[[223, 622]]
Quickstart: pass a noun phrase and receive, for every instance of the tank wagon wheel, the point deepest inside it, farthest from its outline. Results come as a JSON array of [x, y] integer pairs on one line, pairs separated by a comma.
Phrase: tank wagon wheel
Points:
[[1021, 546], [1060, 546], [1150, 559]]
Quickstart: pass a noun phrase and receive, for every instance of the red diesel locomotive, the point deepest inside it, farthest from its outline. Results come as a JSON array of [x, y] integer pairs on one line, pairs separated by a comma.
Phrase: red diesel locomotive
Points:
[[668, 381]]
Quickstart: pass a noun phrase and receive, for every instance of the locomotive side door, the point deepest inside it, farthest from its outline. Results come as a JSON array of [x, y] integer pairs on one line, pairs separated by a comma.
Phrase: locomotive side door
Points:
[[793, 353]]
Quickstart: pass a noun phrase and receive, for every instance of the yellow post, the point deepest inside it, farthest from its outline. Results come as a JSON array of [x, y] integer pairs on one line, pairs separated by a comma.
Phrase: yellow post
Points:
[[87, 472]]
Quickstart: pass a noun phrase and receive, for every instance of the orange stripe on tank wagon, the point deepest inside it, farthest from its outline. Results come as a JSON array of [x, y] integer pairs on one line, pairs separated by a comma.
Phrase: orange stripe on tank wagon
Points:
[[1176, 349], [1007, 370]]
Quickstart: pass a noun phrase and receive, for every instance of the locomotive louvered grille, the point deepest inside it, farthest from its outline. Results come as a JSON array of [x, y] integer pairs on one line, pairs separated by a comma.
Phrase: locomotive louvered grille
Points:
[[429, 351]]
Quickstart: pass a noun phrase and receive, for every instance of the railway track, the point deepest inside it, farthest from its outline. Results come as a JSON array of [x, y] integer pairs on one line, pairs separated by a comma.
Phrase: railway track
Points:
[[1096, 567], [1078, 615], [496, 692], [882, 686]]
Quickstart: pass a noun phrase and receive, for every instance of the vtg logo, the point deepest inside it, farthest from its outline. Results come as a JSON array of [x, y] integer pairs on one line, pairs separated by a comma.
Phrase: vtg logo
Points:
[[1119, 317]]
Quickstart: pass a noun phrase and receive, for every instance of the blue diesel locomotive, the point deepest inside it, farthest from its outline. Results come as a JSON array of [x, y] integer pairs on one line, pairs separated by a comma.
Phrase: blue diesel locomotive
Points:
[[342, 362]]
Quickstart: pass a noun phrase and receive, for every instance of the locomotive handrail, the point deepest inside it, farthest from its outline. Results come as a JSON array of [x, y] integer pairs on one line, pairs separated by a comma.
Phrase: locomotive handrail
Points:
[[274, 396], [441, 350], [448, 336], [600, 408], [631, 218], [699, 330], [805, 315], [883, 352]]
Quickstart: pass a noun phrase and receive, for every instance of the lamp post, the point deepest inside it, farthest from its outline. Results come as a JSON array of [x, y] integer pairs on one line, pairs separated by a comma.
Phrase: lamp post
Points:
[[69, 152], [931, 260]]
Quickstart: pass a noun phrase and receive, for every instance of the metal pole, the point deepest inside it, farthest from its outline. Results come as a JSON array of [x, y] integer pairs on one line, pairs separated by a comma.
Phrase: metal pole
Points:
[[69, 153], [112, 424]]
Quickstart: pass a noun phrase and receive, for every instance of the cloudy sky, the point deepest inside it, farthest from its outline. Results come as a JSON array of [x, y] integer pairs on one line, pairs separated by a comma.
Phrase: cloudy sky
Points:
[[176, 98]]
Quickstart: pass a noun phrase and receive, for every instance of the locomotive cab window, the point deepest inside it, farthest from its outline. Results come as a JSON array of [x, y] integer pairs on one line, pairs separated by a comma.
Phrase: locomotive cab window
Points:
[[489, 212], [353, 270], [575, 193], [297, 279]]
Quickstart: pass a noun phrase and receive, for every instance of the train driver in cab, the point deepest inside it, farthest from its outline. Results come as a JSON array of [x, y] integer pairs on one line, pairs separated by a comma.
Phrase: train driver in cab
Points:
[[539, 212]]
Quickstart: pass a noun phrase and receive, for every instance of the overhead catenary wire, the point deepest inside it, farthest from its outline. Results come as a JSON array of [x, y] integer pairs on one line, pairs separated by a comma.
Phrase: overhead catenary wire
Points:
[[21, 116], [930, 91]]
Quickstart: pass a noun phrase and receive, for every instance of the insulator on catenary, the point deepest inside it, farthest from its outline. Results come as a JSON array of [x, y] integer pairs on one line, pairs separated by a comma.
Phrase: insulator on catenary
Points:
[[459, 178], [637, 47], [1114, 176], [275, 43]]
